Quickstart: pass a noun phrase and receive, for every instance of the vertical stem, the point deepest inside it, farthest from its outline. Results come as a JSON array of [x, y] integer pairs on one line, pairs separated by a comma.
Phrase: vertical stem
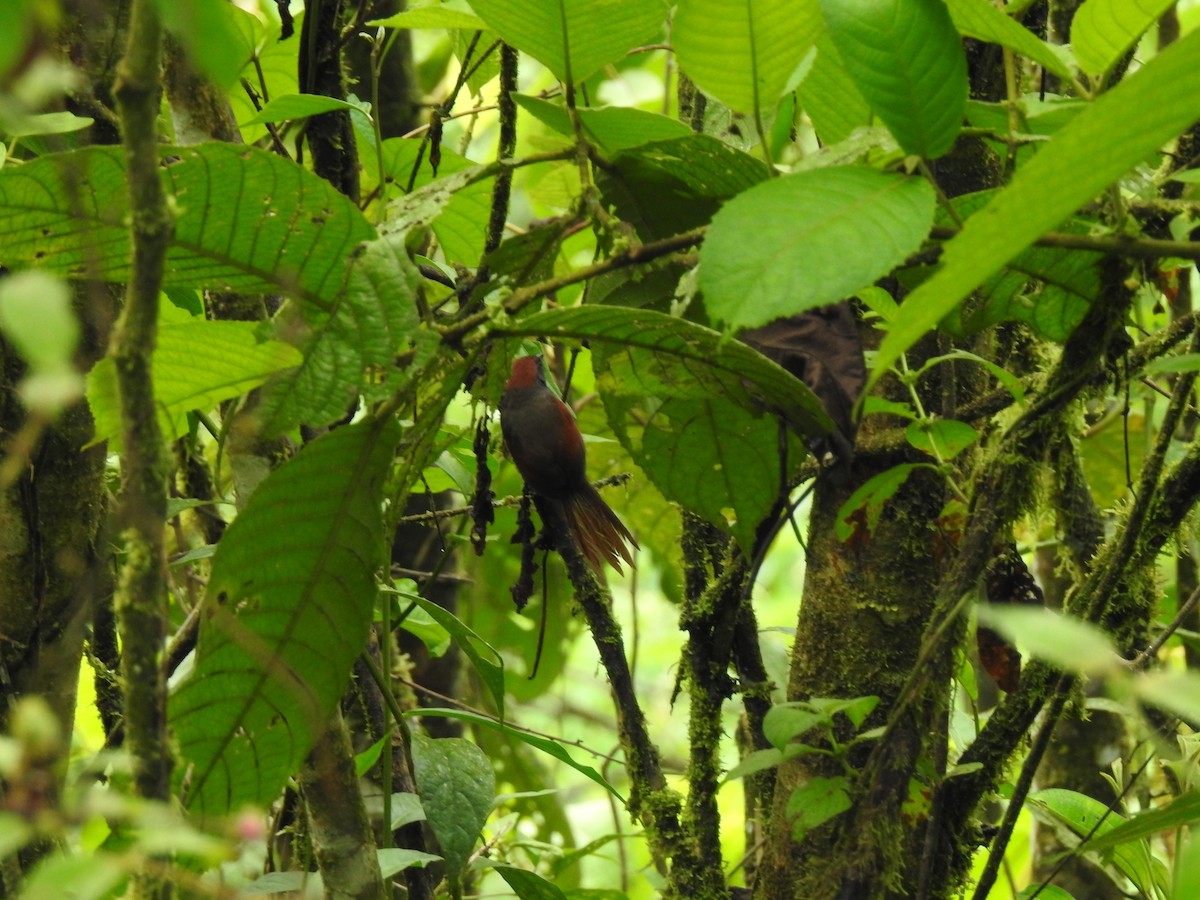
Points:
[[142, 590]]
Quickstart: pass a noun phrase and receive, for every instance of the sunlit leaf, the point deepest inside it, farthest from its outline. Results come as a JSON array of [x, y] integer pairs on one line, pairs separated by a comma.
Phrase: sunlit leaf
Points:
[[743, 52], [1061, 640]]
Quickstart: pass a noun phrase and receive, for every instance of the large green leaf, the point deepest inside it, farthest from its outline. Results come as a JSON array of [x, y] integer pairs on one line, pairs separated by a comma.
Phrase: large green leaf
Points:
[[573, 38], [743, 52], [818, 237], [980, 19], [1131, 121], [369, 322], [1105, 30], [457, 788], [197, 364], [286, 613], [907, 59], [281, 228], [688, 404]]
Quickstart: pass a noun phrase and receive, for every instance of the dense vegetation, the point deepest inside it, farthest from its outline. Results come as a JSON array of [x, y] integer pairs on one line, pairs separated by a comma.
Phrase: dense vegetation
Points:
[[878, 317]]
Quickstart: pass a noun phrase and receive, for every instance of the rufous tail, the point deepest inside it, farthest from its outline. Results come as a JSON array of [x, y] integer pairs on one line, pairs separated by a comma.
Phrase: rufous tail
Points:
[[600, 536]]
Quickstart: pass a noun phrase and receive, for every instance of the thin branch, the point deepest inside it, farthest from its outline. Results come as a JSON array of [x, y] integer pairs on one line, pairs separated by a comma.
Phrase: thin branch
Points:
[[1120, 245]]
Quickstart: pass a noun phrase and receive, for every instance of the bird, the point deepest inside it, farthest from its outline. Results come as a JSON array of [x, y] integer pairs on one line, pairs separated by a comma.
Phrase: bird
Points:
[[544, 441]]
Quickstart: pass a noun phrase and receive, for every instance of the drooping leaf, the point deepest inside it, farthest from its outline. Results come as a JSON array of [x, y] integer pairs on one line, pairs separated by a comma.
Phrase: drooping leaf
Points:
[[609, 129], [983, 21], [371, 320], [1061, 640], [548, 747], [1181, 811], [301, 106], [197, 364], [457, 788], [906, 58], [491, 673], [1102, 31], [754, 762], [1131, 121], [818, 237], [573, 38], [286, 613], [1081, 813], [743, 52]]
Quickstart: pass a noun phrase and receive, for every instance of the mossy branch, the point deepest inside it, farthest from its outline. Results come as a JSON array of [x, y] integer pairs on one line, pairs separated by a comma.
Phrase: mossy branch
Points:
[[142, 589], [650, 802]]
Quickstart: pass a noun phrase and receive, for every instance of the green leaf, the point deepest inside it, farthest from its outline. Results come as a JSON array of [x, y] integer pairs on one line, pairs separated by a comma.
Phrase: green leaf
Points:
[[609, 129], [941, 438], [281, 228], [1063, 641], [757, 761], [371, 320], [981, 20], [37, 319], [830, 97], [301, 106], [744, 52], [1131, 121], [461, 213], [491, 673], [208, 33], [1182, 362], [1044, 892], [548, 747], [397, 859], [785, 722], [197, 365], [91, 876], [1080, 813], [1182, 811], [703, 438], [286, 613], [666, 187], [573, 38], [15, 833], [529, 885], [819, 236], [907, 60], [1176, 692], [406, 809], [816, 802], [457, 787], [865, 506], [1102, 31]]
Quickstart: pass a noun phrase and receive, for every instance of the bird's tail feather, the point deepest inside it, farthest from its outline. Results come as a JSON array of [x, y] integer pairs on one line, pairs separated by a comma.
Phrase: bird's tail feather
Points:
[[600, 536]]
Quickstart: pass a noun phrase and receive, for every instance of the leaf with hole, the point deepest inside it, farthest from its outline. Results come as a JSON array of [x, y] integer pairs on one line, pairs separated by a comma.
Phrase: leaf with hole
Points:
[[286, 613]]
